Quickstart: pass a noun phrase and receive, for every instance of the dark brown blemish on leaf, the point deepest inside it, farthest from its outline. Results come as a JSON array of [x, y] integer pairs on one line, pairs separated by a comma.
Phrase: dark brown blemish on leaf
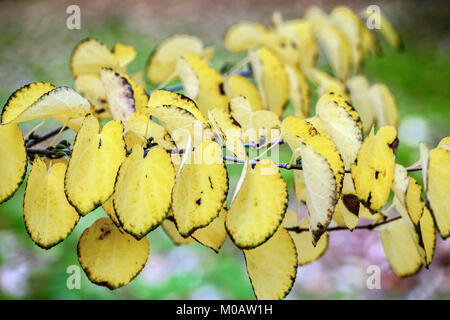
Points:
[[221, 89], [210, 183], [199, 201], [351, 202], [104, 234], [394, 145]]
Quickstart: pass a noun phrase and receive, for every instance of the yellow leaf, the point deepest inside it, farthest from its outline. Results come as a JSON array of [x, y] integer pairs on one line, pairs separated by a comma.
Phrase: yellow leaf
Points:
[[385, 105], [171, 230], [49, 218], [163, 97], [298, 92], [162, 61], [62, 104], [294, 130], [325, 147], [256, 213], [321, 186], [409, 193], [229, 132], [143, 189], [91, 87], [272, 80], [110, 257], [438, 188], [336, 48], [200, 189], [244, 36], [108, 207], [202, 83], [124, 54], [237, 85], [343, 124], [350, 25], [259, 126], [400, 248], [428, 233], [90, 56], [94, 163], [139, 93], [306, 251], [324, 82], [359, 94], [13, 160], [22, 98], [119, 94], [181, 124], [139, 128], [213, 236], [283, 47], [272, 267], [373, 171]]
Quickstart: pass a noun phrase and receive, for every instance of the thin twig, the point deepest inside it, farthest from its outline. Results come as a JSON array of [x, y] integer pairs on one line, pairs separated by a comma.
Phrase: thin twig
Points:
[[34, 141], [48, 152], [363, 227], [282, 165]]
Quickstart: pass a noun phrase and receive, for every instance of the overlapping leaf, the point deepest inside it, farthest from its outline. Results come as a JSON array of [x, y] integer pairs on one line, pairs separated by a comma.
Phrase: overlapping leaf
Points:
[[200, 189], [202, 83], [258, 207], [373, 170], [272, 79], [110, 257], [93, 166], [49, 218], [13, 160], [143, 190], [162, 61], [272, 267]]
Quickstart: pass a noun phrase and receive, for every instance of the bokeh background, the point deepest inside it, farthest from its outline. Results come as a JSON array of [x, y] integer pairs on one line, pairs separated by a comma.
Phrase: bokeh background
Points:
[[35, 45]]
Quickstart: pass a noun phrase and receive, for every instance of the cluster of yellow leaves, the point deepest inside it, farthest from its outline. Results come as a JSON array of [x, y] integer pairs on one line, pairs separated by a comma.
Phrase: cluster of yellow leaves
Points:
[[155, 160]]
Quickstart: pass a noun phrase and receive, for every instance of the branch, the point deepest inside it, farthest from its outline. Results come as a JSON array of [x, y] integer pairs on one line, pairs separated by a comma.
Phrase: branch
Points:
[[50, 152], [37, 139], [363, 227], [282, 165]]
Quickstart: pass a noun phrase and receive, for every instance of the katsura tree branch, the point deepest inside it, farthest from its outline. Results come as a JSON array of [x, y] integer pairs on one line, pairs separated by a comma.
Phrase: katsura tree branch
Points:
[[51, 152], [363, 227], [35, 139]]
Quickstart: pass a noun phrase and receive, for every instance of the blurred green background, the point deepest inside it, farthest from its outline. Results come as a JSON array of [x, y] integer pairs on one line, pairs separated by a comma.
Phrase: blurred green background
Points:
[[36, 46]]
